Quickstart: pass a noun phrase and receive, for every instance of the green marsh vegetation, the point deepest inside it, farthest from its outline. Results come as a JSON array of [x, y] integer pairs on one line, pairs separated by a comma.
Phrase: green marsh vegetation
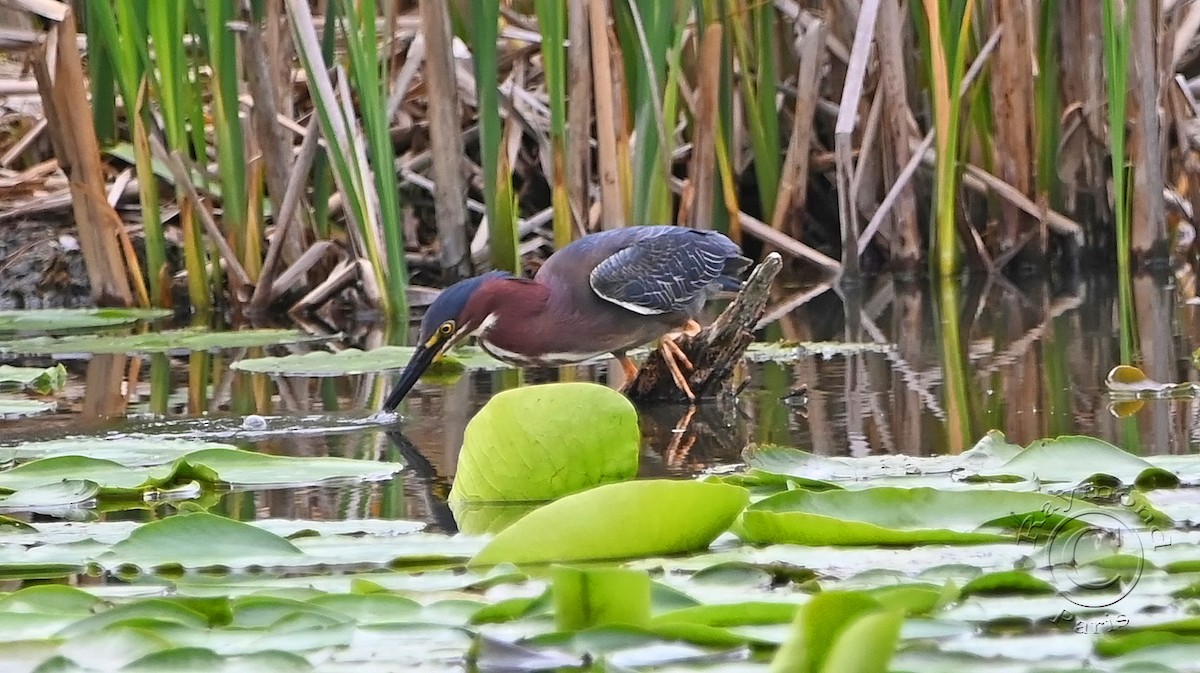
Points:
[[297, 152]]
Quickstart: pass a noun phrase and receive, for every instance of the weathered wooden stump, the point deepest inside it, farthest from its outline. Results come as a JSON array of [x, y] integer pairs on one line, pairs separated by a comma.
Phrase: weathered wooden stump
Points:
[[715, 351]]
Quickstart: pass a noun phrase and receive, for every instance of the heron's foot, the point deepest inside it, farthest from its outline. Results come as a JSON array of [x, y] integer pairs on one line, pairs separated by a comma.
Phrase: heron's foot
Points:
[[673, 357], [671, 350]]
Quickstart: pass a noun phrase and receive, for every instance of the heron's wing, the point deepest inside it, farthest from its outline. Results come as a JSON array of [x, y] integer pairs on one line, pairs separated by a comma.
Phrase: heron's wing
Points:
[[667, 271]]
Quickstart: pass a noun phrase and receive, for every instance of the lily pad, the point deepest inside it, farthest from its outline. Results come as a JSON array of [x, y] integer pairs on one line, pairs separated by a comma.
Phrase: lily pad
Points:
[[41, 380], [355, 361], [68, 493], [193, 339], [232, 467], [616, 521], [840, 632], [202, 539], [1075, 459], [898, 516], [542, 442], [19, 407], [68, 319], [127, 450]]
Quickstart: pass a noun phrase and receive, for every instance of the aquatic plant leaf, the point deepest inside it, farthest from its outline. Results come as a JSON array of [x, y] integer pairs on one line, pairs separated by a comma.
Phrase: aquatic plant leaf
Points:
[[776, 468], [110, 475], [50, 599], [200, 539], [191, 339], [116, 646], [542, 442], [250, 468], [189, 659], [488, 518], [616, 521], [41, 380], [587, 597], [19, 407], [127, 450], [1075, 458], [733, 614], [890, 516], [58, 548], [840, 632], [209, 466], [1007, 582], [67, 493], [67, 319], [355, 361]]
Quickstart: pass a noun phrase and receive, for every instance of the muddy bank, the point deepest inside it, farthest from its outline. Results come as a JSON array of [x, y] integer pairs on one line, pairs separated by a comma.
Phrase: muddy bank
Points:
[[41, 266]]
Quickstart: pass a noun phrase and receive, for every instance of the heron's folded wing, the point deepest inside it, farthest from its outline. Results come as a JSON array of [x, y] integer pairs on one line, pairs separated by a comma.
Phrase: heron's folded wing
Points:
[[665, 272]]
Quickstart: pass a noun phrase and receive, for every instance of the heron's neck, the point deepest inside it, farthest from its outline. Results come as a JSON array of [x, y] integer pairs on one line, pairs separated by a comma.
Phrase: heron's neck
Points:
[[516, 299]]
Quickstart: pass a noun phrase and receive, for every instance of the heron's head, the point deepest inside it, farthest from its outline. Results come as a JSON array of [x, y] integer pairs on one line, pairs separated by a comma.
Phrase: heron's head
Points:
[[451, 318]]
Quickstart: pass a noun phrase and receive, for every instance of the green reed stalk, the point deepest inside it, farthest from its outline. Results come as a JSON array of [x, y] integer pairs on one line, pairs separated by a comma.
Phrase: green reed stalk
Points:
[[369, 75], [119, 26], [947, 58], [231, 152], [503, 236], [166, 20], [1117, 35], [1046, 102], [756, 52], [552, 20], [101, 74], [646, 28], [323, 181]]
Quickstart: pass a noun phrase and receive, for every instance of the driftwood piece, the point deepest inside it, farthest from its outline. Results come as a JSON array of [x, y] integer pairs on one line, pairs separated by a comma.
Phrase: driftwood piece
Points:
[[715, 351]]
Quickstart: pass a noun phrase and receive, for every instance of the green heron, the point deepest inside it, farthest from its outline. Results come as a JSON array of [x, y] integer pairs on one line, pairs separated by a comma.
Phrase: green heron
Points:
[[606, 292]]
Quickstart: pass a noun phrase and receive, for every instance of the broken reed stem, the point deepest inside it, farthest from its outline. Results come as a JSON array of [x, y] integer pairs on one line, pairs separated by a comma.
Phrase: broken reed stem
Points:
[[64, 93], [445, 137]]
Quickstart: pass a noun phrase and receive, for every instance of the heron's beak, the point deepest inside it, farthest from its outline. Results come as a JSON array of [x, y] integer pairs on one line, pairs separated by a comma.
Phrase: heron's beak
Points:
[[421, 359]]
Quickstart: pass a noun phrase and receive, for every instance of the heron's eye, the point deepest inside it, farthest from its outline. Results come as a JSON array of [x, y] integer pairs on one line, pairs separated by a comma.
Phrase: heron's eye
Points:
[[447, 328]]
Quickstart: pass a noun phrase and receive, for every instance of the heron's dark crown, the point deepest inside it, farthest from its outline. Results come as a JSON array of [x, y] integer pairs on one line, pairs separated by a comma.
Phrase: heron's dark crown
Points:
[[450, 302]]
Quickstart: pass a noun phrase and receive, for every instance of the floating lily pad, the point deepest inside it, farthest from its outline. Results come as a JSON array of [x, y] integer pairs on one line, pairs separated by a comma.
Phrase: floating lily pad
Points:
[[56, 320], [616, 521], [843, 632], [68, 493], [355, 361], [41, 380], [898, 516], [1075, 459], [192, 339], [542, 442], [19, 407], [232, 467], [204, 541], [127, 450]]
